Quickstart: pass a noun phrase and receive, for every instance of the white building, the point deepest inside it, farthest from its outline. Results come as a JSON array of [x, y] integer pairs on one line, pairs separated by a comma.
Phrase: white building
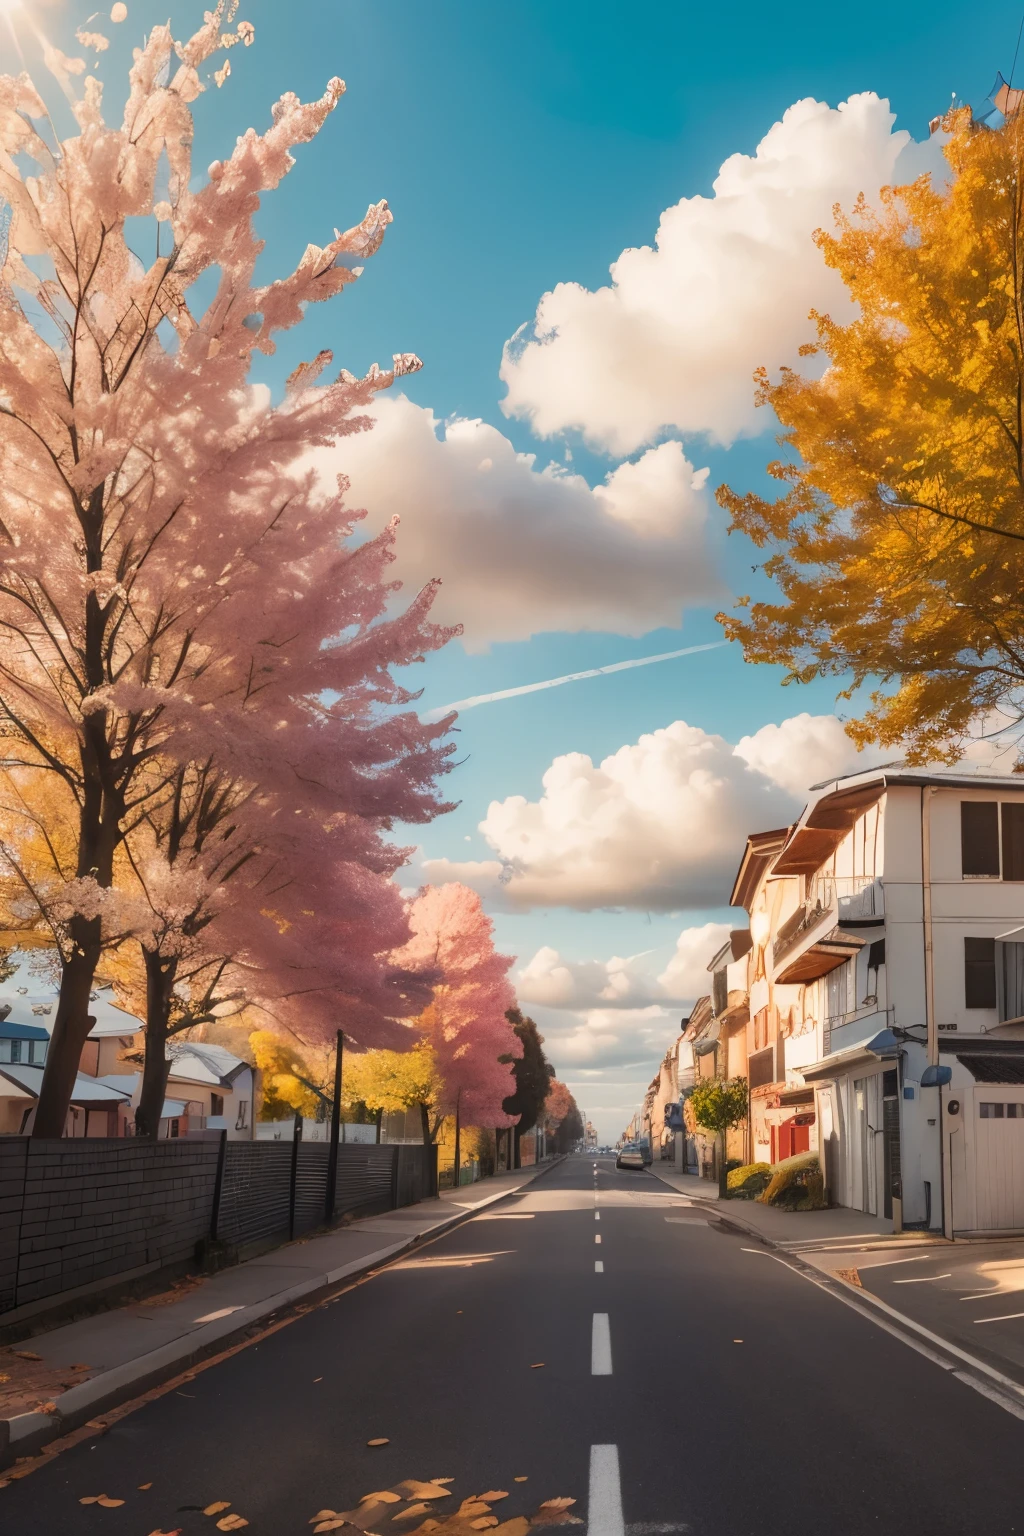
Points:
[[888, 945]]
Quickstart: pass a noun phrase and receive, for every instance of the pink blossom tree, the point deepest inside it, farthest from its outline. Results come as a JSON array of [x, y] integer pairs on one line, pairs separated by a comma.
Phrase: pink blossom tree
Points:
[[452, 944], [175, 586]]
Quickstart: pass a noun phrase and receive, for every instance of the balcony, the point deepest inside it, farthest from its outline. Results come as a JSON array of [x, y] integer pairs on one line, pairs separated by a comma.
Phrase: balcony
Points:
[[854, 899], [844, 1031]]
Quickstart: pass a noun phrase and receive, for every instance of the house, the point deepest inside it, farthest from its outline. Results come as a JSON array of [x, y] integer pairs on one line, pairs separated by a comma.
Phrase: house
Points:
[[887, 955], [730, 1003], [208, 1088]]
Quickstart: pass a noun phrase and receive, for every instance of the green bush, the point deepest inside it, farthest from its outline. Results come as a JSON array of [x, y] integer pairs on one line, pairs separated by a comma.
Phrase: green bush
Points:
[[796, 1184], [748, 1180]]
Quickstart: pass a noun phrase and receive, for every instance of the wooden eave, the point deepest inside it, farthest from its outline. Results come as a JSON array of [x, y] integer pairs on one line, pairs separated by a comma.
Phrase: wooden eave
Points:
[[760, 851], [825, 955], [816, 838]]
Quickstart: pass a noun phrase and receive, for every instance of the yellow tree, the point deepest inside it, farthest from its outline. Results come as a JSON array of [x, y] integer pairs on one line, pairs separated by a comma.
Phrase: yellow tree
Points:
[[391, 1081], [294, 1081], [898, 545]]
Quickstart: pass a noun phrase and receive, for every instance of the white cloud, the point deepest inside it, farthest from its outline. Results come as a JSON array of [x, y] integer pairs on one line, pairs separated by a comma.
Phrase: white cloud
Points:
[[659, 825], [603, 1039], [522, 550], [622, 982], [805, 750], [674, 341]]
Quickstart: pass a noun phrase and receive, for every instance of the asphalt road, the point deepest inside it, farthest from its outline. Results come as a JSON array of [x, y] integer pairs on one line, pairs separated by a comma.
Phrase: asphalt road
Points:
[[480, 1360]]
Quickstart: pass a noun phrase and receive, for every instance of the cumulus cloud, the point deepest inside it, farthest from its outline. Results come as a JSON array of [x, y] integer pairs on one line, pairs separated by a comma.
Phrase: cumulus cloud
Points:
[[603, 1039], [673, 342], [805, 750], [523, 550], [658, 825], [622, 982]]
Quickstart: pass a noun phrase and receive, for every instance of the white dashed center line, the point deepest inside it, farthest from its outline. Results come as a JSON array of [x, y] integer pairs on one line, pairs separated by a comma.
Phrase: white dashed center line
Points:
[[597, 1237], [598, 1266], [601, 1346], [604, 1505], [597, 1215]]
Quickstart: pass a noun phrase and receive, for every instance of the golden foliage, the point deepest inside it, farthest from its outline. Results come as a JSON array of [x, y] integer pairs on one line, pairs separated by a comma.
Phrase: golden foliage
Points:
[[390, 1080], [898, 547], [294, 1081]]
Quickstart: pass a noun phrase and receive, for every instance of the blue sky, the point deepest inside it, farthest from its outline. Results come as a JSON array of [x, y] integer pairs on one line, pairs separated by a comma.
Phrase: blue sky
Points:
[[521, 147]]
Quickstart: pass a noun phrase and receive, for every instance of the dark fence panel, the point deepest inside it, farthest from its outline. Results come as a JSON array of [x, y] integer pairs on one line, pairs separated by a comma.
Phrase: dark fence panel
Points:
[[254, 1200], [364, 1179], [91, 1209], [13, 1159], [417, 1174], [79, 1211], [310, 1184]]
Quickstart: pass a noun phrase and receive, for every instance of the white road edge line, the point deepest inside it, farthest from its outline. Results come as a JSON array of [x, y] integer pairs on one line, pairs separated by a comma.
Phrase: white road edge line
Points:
[[1007, 1317], [598, 1266], [924, 1279], [846, 1295], [601, 1352], [604, 1501]]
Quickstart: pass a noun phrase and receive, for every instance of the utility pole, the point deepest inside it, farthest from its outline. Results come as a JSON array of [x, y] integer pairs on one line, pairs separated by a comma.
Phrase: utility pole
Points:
[[332, 1156]]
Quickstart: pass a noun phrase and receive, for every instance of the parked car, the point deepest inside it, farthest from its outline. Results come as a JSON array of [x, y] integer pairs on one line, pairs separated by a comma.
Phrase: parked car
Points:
[[631, 1157]]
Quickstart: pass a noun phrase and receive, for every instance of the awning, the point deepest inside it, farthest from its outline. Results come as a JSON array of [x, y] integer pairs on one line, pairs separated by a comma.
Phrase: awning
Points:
[[987, 1058], [796, 1096], [840, 1063], [828, 821], [824, 955]]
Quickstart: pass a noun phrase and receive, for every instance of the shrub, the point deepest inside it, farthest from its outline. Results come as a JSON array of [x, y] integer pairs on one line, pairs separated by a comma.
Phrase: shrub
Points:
[[796, 1184], [748, 1180]]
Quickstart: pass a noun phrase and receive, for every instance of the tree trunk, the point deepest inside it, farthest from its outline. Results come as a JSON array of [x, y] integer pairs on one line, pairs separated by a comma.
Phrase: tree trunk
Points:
[[380, 1117], [99, 832], [516, 1162], [723, 1177], [425, 1123], [458, 1129], [71, 1028], [160, 976]]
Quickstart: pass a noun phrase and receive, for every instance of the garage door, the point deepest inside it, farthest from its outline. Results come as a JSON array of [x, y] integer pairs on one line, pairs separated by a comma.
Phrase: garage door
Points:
[[999, 1155]]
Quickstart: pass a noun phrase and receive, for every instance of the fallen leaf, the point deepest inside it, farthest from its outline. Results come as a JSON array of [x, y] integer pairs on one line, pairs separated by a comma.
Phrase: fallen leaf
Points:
[[471, 1507], [329, 1525], [316, 1379], [215, 1509], [381, 1440], [387, 1497], [412, 1489], [175, 1532], [47, 1407], [442, 1479], [106, 1503], [144, 1486], [517, 1527], [522, 1479], [494, 1494], [481, 1525], [325, 1514], [26, 1354], [412, 1512], [231, 1523], [538, 1366], [90, 1498], [737, 1341], [557, 1503]]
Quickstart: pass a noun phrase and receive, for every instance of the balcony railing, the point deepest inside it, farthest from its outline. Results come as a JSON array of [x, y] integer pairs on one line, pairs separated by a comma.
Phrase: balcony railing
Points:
[[847, 898]]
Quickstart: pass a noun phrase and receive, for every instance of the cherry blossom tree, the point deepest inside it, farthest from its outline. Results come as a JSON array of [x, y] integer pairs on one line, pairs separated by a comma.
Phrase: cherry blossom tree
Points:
[[465, 1024], [175, 585]]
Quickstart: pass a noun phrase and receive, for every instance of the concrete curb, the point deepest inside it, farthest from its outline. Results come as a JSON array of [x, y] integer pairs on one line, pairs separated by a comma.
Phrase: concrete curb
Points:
[[26, 1433]]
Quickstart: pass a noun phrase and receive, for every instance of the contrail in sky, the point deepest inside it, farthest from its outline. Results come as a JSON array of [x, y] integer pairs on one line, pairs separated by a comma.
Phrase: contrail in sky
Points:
[[570, 677]]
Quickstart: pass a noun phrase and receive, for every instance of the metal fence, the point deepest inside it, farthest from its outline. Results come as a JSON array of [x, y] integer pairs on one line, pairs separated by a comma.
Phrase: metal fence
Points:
[[78, 1214]]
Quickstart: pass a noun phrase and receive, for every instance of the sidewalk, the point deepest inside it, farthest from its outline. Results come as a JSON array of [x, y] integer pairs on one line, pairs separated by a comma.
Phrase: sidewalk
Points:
[[794, 1231], [87, 1366]]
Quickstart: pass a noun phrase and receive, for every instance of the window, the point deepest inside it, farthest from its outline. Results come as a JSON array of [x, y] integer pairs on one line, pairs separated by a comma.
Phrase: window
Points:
[[980, 973], [216, 1103], [979, 839], [243, 1115], [720, 990], [1013, 841], [1001, 1111], [37, 1052], [837, 991], [16, 1050]]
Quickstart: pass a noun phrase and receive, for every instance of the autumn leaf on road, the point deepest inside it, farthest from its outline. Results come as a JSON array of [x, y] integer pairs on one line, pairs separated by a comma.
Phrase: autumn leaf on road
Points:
[[215, 1509]]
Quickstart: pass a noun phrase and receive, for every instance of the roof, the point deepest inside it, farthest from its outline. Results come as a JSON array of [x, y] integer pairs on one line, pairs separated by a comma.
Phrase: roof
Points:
[[11, 1031], [198, 1062], [31, 996], [88, 1092]]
